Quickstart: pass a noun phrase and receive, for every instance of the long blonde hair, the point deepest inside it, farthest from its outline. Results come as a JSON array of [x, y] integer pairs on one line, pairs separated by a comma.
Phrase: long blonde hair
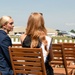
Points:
[[36, 29]]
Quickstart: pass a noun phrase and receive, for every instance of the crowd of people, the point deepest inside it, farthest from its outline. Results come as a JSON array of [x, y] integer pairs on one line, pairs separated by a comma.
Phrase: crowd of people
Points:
[[34, 37]]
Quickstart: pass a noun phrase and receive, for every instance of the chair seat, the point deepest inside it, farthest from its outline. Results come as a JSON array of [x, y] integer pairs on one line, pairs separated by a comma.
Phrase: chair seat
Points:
[[61, 71], [68, 62], [71, 66]]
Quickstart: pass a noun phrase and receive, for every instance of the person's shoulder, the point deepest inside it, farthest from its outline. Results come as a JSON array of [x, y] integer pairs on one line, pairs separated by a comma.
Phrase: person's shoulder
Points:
[[22, 37]]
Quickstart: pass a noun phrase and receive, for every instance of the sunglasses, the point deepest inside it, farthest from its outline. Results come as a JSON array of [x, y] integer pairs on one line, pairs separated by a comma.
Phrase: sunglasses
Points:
[[11, 23], [36, 13], [41, 13]]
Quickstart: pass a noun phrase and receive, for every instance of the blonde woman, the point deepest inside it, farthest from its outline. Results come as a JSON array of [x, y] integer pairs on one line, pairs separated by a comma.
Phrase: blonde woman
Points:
[[36, 37], [6, 25]]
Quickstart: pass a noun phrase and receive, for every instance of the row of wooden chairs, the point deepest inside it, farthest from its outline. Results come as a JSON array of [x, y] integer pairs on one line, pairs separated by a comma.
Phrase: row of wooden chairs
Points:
[[64, 55]]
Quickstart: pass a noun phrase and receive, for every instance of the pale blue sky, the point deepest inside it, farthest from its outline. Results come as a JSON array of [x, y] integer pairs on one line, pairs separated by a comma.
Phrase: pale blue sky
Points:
[[58, 14]]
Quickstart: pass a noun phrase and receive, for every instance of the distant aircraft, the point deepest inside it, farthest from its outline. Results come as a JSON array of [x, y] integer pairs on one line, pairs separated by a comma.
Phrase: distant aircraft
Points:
[[72, 35], [68, 34]]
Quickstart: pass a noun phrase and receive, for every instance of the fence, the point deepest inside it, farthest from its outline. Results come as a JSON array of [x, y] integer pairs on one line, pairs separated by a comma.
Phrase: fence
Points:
[[17, 41]]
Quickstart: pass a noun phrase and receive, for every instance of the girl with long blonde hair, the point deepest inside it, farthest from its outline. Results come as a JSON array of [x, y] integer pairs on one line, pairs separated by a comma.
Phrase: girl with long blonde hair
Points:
[[36, 37]]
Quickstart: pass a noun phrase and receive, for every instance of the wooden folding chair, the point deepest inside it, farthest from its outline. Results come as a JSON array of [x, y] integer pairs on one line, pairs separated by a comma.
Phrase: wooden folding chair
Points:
[[27, 61], [69, 53], [59, 62]]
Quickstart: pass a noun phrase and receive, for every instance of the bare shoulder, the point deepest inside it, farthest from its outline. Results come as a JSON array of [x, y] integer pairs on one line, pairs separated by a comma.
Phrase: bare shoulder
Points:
[[22, 37]]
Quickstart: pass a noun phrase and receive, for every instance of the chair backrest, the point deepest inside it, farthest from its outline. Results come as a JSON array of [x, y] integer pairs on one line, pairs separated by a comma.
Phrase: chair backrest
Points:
[[27, 61], [59, 59], [57, 52], [69, 51]]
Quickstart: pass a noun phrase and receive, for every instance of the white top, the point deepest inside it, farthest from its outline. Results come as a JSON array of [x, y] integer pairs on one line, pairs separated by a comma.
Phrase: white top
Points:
[[42, 46]]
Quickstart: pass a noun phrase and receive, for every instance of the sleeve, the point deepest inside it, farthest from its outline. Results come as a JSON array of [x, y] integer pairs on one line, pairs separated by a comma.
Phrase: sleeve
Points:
[[50, 44], [49, 40], [49, 48], [4, 46]]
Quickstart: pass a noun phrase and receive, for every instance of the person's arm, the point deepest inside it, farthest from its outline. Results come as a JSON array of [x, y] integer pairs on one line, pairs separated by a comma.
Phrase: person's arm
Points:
[[22, 37], [4, 46]]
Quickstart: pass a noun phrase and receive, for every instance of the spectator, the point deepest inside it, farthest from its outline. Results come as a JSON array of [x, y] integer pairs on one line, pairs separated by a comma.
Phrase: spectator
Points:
[[36, 37], [6, 25]]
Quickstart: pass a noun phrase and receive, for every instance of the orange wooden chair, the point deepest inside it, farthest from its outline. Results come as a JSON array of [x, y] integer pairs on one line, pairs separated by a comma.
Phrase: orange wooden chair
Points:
[[59, 62], [27, 61], [69, 53]]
